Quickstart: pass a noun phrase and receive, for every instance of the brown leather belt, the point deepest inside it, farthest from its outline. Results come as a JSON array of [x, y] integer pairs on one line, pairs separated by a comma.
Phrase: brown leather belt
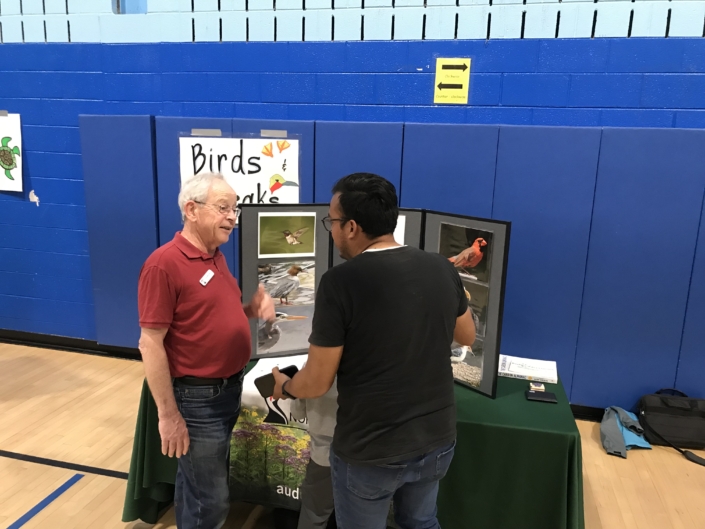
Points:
[[199, 381]]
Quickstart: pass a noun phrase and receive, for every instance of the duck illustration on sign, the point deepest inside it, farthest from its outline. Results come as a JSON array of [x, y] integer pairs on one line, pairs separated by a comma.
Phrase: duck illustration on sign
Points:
[[277, 182], [267, 150]]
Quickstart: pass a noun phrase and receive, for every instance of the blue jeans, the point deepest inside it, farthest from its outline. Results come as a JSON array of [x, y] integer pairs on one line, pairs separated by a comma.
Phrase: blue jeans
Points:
[[363, 493], [202, 496]]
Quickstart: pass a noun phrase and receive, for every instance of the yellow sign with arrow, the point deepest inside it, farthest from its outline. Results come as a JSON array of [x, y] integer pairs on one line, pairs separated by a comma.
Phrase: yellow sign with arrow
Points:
[[452, 81]]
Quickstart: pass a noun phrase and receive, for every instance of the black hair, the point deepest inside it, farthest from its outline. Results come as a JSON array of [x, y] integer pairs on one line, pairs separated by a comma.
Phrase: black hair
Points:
[[369, 200]]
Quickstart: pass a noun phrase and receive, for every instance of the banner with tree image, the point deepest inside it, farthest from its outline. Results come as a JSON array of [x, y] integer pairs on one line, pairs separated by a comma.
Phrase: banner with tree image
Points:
[[269, 449]]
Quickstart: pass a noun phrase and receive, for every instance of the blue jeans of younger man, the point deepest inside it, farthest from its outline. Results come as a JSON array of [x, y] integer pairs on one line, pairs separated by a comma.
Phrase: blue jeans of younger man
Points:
[[363, 493], [202, 496]]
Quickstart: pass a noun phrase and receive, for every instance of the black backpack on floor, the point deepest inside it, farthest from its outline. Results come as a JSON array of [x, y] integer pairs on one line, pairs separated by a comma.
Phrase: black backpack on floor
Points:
[[670, 418]]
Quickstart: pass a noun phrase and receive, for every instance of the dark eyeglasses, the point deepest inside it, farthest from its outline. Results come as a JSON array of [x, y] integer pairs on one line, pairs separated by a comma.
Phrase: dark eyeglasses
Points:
[[223, 209], [328, 222]]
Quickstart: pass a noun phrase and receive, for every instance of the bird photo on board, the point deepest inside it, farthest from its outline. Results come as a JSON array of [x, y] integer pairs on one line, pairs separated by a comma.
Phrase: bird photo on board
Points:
[[293, 238], [286, 285], [292, 286], [287, 234], [469, 250]]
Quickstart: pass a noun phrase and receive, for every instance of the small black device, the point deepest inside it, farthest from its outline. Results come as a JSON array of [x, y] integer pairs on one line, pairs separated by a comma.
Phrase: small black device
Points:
[[265, 383], [541, 396]]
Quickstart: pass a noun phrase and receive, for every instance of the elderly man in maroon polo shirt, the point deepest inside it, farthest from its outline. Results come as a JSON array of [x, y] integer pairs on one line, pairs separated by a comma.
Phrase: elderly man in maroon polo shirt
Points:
[[195, 344]]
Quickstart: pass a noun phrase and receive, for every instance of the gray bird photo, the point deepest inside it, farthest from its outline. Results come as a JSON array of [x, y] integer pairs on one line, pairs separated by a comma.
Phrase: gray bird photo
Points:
[[292, 287], [467, 361]]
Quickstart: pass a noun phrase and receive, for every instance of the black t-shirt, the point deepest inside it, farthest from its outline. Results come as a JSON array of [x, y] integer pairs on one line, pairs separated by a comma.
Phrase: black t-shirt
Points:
[[394, 313]]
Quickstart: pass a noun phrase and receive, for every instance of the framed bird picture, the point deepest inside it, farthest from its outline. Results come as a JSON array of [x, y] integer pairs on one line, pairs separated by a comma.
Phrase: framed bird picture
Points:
[[285, 249], [283, 234], [478, 249]]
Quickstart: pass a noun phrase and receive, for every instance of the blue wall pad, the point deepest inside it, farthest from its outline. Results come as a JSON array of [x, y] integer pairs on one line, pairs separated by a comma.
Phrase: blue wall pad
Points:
[[344, 148], [647, 210], [545, 185], [169, 129], [691, 367], [449, 168], [118, 166]]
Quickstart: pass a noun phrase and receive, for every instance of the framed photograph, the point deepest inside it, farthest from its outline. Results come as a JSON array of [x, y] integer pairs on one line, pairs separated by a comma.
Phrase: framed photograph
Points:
[[478, 248], [407, 232], [292, 287], [283, 234], [286, 249]]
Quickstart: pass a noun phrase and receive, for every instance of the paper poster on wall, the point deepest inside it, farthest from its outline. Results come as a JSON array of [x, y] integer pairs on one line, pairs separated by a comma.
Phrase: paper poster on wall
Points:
[[260, 170], [10, 153]]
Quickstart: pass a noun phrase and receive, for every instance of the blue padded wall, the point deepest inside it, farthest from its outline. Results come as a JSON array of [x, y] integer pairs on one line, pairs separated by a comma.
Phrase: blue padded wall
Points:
[[168, 131], [449, 168], [647, 211], [118, 166], [691, 367], [344, 148], [545, 185]]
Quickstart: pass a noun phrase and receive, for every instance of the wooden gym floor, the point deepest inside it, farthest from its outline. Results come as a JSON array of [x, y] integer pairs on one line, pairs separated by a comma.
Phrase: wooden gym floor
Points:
[[81, 409]]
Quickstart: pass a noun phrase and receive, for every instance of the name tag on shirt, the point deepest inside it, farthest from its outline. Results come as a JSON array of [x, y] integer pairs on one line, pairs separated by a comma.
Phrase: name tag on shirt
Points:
[[206, 277]]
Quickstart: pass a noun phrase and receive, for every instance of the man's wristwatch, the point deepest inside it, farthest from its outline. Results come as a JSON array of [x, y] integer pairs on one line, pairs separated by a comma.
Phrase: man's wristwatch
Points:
[[285, 392]]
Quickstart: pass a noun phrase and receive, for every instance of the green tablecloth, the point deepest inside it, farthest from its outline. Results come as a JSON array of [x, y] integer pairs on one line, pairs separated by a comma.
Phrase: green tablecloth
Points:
[[150, 483], [517, 464]]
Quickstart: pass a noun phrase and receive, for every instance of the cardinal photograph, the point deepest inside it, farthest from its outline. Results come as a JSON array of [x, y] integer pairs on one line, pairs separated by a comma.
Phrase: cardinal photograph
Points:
[[469, 249], [287, 235]]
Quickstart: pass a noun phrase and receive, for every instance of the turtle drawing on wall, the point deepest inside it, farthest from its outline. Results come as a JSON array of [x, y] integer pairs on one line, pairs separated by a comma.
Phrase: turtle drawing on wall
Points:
[[7, 156]]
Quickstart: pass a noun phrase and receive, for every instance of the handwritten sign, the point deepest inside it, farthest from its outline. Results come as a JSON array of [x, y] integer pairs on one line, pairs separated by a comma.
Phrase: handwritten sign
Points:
[[260, 170]]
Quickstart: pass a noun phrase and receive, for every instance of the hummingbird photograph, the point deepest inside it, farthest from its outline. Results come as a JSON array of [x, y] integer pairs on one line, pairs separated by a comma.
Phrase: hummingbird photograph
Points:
[[287, 234], [293, 238]]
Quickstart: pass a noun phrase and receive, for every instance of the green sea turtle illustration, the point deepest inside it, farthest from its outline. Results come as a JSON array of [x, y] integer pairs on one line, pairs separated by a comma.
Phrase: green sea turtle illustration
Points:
[[7, 156]]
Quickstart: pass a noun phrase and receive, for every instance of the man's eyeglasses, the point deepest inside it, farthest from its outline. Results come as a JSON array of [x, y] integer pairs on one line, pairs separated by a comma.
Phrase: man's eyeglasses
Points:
[[328, 222], [223, 209]]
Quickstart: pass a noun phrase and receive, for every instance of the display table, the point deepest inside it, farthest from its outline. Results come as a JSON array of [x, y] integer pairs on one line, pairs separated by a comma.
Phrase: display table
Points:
[[517, 464]]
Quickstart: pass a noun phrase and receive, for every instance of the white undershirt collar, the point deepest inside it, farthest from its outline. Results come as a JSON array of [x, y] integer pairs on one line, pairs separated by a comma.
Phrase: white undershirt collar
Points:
[[383, 249]]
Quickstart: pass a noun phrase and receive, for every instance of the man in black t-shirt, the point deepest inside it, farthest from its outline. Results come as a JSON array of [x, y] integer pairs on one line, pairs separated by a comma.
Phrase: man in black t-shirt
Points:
[[384, 322]]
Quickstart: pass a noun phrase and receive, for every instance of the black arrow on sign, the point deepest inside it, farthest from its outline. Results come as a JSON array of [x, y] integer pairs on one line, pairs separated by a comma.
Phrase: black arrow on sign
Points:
[[462, 67], [441, 86]]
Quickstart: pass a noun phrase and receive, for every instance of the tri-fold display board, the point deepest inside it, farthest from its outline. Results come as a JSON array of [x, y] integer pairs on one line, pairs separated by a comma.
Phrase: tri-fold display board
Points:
[[287, 249]]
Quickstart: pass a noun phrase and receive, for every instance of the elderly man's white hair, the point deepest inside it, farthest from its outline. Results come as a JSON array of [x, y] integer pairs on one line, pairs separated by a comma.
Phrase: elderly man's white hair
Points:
[[196, 188]]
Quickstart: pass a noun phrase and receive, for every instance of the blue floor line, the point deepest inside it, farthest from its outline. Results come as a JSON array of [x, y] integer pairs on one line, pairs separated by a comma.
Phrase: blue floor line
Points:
[[46, 501]]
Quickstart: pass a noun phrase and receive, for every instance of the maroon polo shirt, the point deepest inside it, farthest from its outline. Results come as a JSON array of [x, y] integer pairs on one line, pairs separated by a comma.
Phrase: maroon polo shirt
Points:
[[209, 335]]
